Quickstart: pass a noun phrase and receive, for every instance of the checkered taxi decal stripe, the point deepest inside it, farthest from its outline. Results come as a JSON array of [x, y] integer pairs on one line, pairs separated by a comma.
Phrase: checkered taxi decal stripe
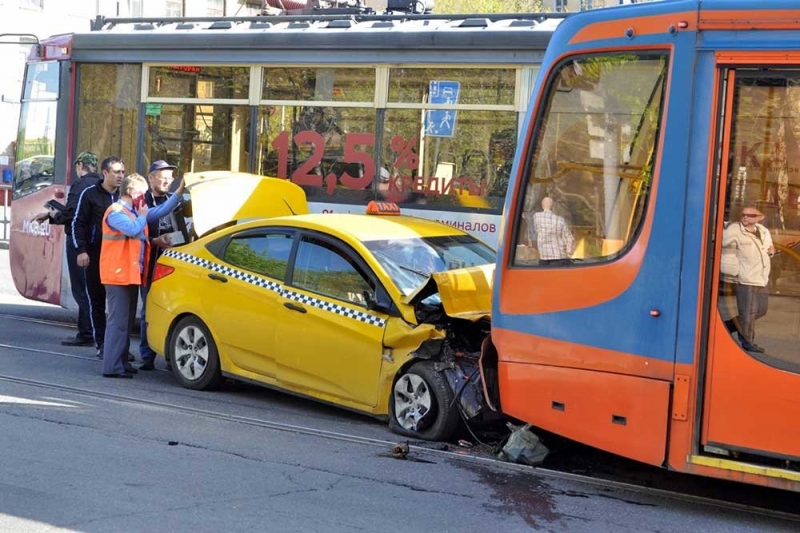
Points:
[[260, 282]]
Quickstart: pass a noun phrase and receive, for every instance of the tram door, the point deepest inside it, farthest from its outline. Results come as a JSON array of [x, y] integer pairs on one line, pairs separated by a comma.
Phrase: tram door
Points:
[[752, 392]]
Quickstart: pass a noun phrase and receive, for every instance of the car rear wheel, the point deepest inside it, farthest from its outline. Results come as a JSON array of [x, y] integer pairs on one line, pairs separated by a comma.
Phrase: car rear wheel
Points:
[[421, 404], [194, 356]]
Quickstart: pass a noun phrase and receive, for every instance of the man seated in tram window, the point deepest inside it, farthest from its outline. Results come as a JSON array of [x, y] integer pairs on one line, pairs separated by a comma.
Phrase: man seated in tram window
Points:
[[553, 237]]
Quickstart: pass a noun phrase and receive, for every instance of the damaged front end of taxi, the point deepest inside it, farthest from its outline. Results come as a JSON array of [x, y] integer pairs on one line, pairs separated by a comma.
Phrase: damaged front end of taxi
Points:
[[453, 315]]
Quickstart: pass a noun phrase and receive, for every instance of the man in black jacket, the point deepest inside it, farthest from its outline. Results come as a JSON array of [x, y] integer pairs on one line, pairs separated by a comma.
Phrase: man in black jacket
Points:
[[87, 238], [87, 176]]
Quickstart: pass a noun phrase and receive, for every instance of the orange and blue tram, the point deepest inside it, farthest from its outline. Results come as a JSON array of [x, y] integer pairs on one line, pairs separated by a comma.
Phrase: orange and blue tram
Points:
[[659, 132]]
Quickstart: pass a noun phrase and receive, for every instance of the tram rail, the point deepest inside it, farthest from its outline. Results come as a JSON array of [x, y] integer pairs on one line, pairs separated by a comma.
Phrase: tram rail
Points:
[[476, 455]]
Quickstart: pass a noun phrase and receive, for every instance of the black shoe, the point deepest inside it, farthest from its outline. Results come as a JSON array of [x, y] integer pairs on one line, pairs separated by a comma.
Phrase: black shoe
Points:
[[131, 357], [147, 365], [130, 370], [99, 353], [124, 376], [78, 340], [750, 347]]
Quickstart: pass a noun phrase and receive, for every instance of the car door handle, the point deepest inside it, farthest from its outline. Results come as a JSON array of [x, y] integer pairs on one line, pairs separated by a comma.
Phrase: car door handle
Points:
[[295, 307], [217, 277]]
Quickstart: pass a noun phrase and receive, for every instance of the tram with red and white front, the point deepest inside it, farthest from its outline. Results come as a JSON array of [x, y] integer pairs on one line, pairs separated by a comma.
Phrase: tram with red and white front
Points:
[[418, 109]]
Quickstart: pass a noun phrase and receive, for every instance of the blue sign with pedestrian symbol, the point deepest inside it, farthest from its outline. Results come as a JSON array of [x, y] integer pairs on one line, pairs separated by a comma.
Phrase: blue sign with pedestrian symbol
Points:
[[442, 122]]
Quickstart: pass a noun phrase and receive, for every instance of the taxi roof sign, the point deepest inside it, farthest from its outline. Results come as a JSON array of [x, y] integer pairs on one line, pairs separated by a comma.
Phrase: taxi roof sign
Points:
[[382, 208]]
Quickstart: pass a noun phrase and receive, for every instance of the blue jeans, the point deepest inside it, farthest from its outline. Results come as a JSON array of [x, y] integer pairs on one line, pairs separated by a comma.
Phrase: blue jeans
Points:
[[145, 352]]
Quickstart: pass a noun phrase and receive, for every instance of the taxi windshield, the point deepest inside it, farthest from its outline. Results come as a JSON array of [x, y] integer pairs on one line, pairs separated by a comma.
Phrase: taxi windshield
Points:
[[409, 262]]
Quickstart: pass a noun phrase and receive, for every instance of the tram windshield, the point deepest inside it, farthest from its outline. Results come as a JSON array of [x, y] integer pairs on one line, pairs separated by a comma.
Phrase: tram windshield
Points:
[[36, 139], [593, 167]]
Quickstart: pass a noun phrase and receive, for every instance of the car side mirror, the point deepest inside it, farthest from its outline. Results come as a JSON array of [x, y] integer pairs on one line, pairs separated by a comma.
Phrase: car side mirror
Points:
[[378, 302]]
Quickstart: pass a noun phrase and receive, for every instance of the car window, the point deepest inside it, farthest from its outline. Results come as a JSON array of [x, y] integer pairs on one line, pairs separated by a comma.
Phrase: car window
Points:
[[322, 268], [263, 254]]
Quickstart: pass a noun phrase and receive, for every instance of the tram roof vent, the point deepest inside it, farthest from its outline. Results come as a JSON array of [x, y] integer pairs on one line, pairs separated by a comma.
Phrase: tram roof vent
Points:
[[185, 26], [143, 27], [340, 24], [221, 25], [299, 25], [384, 24], [260, 25], [474, 23], [522, 23]]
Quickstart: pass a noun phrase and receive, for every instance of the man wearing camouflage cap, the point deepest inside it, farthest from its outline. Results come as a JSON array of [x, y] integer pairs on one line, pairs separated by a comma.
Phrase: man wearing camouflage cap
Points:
[[86, 172]]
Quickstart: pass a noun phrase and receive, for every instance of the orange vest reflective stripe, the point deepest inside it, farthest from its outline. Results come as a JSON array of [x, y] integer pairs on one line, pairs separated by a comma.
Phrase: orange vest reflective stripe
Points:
[[119, 254]]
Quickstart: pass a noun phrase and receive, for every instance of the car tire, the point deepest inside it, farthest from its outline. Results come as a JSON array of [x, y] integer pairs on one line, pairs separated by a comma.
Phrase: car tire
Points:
[[194, 356], [421, 404]]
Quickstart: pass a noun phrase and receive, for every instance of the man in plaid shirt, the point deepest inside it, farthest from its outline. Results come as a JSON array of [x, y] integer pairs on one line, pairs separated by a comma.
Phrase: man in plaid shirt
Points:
[[553, 238]]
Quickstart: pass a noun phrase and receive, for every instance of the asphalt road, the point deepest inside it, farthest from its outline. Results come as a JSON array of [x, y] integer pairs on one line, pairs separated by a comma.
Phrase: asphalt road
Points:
[[83, 453]]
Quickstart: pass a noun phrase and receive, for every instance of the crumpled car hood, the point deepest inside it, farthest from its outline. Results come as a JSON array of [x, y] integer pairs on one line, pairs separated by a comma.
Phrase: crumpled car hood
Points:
[[466, 293], [219, 197]]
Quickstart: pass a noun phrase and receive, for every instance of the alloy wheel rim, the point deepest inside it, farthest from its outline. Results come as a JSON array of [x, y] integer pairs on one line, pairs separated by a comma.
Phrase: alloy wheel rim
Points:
[[412, 401], [191, 353]]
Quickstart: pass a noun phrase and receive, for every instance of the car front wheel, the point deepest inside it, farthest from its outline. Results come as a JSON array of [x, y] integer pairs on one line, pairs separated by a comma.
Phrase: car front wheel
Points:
[[421, 404], [194, 356]]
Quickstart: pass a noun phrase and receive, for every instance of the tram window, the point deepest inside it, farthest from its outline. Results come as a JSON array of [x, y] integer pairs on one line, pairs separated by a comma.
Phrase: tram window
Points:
[[482, 86], [470, 167], [190, 81], [108, 109], [41, 81], [319, 84], [198, 137], [763, 179], [592, 160], [326, 150]]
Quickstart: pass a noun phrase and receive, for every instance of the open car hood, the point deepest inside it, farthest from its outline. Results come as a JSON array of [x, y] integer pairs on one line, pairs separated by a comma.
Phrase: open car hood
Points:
[[465, 292], [220, 197]]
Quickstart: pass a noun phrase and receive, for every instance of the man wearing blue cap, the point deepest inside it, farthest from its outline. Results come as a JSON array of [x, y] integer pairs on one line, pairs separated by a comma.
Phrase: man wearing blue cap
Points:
[[166, 231]]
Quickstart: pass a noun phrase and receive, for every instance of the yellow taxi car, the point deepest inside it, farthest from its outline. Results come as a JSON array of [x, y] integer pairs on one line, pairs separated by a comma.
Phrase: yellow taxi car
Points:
[[380, 313]]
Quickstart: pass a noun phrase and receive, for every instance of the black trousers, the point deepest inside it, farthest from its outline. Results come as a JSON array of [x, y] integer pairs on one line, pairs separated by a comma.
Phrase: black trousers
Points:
[[96, 294], [77, 281]]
